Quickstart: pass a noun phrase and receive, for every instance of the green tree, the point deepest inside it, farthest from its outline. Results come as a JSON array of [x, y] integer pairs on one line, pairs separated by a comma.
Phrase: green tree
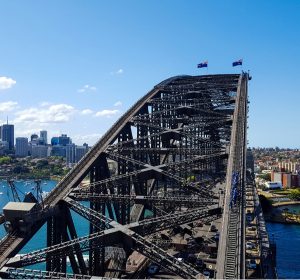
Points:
[[18, 169], [265, 176], [295, 194], [5, 160], [42, 164]]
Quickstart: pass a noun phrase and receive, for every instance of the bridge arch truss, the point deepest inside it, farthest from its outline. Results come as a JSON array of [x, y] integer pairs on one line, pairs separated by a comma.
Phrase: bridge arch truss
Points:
[[164, 156]]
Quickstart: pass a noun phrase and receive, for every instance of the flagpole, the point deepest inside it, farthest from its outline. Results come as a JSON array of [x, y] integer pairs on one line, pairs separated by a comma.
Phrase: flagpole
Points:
[[242, 65]]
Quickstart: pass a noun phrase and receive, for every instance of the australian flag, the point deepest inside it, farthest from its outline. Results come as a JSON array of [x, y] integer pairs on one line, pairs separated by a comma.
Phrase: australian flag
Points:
[[238, 62], [202, 64]]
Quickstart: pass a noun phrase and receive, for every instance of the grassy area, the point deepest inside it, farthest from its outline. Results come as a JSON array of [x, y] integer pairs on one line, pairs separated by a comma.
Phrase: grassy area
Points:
[[283, 192]]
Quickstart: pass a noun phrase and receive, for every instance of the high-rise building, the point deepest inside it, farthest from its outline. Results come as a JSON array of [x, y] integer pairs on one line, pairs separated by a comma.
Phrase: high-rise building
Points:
[[8, 135], [3, 147], [70, 153], [22, 147], [34, 137], [58, 150], [54, 141], [0, 132], [39, 151], [64, 140], [80, 151], [43, 137]]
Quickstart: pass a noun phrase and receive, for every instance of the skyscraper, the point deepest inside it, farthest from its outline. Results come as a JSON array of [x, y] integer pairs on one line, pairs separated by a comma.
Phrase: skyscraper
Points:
[[64, 140], [34, 137], [80, 151], [21, 147], [43, 137], [8, 135], [70, 153]]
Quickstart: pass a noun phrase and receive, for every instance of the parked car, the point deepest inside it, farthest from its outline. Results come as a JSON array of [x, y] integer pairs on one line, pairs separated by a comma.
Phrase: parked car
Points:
[[251, 264], [153, 268], [249, 217], [206, 273], [250, 245], [251, 228]]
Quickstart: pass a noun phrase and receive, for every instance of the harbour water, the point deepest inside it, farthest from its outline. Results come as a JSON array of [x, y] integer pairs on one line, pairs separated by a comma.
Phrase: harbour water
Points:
[[39, 240], [287, 237], [22, 186]]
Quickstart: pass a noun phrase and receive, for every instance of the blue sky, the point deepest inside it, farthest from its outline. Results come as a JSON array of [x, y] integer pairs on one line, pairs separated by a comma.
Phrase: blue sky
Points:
[[76, 66]]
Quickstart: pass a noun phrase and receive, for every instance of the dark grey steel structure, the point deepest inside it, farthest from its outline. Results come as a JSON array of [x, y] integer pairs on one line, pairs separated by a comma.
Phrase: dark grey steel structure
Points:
[[170, 149]]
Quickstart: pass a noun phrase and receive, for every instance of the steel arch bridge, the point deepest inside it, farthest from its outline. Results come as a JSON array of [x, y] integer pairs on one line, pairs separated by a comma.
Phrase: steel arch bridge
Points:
[[168, 153]]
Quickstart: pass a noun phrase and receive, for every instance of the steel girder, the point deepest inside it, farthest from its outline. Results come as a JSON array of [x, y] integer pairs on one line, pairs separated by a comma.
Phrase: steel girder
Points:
[[231, 255], [22, 273], [177, 201], [174, 140], [137, 229]]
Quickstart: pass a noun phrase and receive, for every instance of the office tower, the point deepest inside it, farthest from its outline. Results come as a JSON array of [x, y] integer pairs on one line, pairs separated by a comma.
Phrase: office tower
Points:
[[86, 146], [80, 151], [58, 150], [34, 137], [0, 132], [43, 137], [3, 147], [64, 140], [54, 141], [21, 147], [39, 151], [70, 153], [8, 135]]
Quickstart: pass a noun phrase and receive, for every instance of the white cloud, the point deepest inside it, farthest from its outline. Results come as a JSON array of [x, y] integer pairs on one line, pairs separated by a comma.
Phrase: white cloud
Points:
[[87, 112], [6, 83], [26, 132], [88, 88], [107, 113], [118, 103], [45, 104], [89, 138], [8, 106], [57, 113], [118, 72]]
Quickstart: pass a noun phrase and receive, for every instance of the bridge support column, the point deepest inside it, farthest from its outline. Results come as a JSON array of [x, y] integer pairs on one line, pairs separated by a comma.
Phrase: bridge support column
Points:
[[123, 210], [56, 234], [97, 256]]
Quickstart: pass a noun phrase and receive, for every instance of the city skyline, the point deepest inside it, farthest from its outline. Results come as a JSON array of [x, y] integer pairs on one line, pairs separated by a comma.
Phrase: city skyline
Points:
[[76, 69], [37, 146], [42, 134]]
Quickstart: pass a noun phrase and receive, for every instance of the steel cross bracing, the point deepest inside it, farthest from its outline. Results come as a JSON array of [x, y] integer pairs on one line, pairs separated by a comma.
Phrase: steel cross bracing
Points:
[[22, 273], [178, 201], [165, 154], [132, 231]]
